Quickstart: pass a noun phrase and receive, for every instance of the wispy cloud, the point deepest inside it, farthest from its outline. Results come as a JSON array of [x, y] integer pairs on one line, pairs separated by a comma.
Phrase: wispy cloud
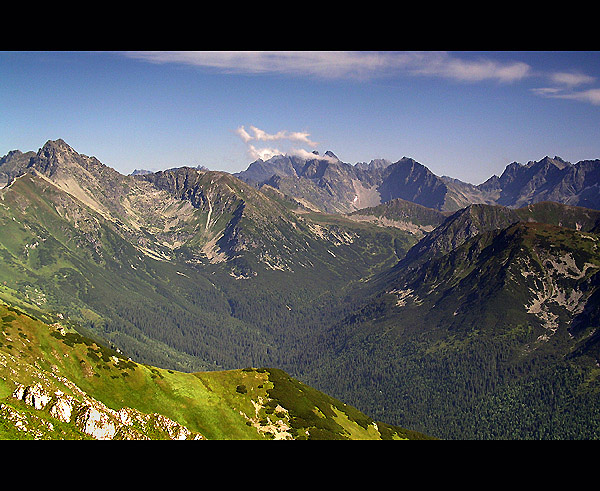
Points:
[[591, 96], [571, 79], [463, 70], [304, 154], [369, 65], [565, 86], [345, 64], [322, 64]]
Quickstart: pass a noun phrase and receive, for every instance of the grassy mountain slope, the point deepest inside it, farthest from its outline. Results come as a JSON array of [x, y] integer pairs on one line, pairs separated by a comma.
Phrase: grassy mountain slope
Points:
[[494, 338], [405, 215], [478, 218], [78, 264], [492, 314], [187, 269], [57, 384]]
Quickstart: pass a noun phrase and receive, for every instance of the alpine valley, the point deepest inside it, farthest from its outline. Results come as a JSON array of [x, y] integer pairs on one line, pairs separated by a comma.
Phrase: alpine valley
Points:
[[198, 304]]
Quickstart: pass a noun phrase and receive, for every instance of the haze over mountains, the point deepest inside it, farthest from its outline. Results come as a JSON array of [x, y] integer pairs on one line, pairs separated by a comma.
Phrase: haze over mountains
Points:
[[413, 297]]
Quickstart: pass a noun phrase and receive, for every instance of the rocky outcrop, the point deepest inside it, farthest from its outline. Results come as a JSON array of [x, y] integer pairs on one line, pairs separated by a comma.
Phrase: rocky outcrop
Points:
[[94, 418], [33, 395]]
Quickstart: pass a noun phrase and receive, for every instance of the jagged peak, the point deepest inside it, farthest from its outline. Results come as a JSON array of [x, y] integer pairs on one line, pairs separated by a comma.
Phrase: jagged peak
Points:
[[556, 161], [137, 172], [57, 149], [373, 164], [413, 164], [56, 156], [12, 153], [58, 144], [330, 154]]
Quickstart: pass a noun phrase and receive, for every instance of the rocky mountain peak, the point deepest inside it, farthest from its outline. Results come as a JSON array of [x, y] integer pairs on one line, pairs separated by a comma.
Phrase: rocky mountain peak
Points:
[[13, 164], [52, 156], [11, 155], [139, 172], [548, 162], [376, 164], [56, 149], [57, 158], [58, 144], [332, 155]]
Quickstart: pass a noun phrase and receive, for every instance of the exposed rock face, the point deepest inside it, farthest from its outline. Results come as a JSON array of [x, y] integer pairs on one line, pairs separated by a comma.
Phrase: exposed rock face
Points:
[[334, 186], [549, 179], [326, 183], [13, 164], [96, 424], [95, 419], [62, 410], [32, 395]]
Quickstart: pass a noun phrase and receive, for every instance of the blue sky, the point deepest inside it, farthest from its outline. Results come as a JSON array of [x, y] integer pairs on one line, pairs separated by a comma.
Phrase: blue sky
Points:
[[462, 114]]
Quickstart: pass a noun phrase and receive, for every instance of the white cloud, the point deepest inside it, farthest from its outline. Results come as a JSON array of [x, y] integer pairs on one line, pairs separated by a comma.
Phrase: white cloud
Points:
[[323, 64], [344, 64], [264, 136], [447, 66], [302, 137], [591, 96], [243, 134], [267, 153], [262, 153], [300, 152], [261, 135], [257, 134], [571, 79], [565, 84], [367, 65], [546, 91]]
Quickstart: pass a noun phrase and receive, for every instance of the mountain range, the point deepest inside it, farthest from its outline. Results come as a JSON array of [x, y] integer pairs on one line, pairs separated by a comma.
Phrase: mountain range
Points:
[[456, 310], [328, 184]]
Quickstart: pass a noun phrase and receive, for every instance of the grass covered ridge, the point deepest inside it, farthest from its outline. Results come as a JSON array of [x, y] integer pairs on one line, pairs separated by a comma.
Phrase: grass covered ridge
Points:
[[243, 404]]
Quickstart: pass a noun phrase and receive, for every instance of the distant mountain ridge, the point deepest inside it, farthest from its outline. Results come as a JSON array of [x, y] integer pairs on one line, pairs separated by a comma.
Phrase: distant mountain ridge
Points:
[[331, 185], [13, 164], [409, 299], [328, 184]]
